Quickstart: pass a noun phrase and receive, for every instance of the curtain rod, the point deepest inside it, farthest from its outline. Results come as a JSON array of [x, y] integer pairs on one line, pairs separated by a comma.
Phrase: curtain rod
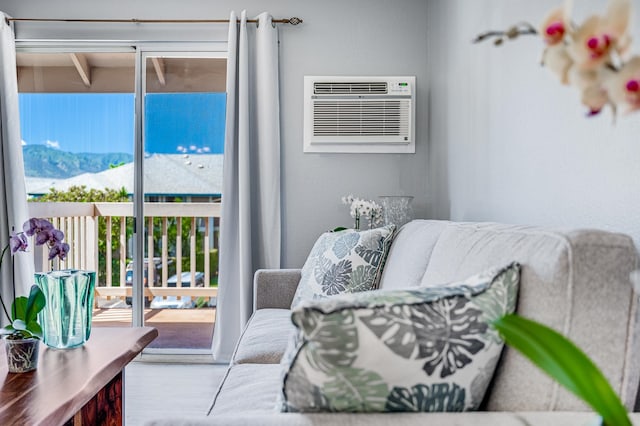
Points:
[[293, 20]]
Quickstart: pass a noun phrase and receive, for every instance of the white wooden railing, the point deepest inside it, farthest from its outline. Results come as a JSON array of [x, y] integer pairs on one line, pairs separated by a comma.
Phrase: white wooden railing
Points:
[[79, 222]]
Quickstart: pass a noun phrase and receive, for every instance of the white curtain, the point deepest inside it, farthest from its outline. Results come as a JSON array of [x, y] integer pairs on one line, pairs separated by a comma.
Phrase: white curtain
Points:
[[250, 227], [13, 198]]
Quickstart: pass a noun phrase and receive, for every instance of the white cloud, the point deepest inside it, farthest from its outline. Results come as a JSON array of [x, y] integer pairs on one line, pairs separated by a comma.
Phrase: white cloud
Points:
[[23, 142], [53, 144]]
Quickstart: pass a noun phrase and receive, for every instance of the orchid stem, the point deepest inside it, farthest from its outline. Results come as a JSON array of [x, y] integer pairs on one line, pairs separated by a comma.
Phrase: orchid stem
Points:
[[13, 285]]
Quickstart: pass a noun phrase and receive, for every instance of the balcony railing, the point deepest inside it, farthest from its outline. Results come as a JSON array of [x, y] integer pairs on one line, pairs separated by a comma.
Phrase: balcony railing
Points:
[[80, 223]]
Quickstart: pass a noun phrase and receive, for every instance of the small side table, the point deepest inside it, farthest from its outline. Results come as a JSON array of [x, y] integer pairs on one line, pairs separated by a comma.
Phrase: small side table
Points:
[[81, 386]]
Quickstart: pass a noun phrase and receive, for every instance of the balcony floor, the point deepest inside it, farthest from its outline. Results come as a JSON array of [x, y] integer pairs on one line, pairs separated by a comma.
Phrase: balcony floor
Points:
[[177, 328]]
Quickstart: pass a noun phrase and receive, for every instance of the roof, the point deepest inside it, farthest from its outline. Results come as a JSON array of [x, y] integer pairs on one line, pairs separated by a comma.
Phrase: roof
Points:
[[164, 174]]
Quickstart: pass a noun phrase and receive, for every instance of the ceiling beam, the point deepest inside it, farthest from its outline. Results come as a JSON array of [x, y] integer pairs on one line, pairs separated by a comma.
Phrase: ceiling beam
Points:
[[82, 66], [158, 65]]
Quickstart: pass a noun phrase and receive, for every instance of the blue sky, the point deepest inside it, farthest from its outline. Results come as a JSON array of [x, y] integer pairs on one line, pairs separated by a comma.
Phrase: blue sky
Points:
[[101, 123], [185, 122]]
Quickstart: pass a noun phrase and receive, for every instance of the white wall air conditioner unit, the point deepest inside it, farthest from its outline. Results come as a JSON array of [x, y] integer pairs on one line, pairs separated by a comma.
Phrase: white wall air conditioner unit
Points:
[[359, 114]]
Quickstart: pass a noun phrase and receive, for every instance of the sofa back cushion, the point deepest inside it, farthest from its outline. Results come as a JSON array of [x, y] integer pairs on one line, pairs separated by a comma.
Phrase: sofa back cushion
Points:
[[576, 282], [410, 253]]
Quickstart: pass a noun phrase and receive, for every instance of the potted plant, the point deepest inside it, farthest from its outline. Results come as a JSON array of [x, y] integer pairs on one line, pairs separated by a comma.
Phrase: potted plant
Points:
[[23, 333]]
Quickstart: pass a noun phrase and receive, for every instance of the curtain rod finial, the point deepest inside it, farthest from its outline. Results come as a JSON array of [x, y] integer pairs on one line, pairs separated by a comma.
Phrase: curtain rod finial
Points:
[[295, 20]]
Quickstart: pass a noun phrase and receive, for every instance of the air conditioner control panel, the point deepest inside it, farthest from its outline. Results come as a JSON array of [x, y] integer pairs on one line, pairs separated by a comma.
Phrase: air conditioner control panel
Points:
[[399, 88]]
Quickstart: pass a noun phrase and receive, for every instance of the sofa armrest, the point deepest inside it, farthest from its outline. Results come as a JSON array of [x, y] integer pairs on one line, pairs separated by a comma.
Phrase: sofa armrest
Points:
[[274, 288]]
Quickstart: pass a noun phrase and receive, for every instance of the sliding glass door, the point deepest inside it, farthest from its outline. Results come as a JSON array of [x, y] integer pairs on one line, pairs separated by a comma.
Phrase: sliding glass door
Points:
[[123, 151], [183, 110]]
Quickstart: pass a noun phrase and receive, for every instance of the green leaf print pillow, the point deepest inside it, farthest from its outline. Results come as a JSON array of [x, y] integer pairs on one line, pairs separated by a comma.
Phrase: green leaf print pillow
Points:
[[425, 349], [347, 261]]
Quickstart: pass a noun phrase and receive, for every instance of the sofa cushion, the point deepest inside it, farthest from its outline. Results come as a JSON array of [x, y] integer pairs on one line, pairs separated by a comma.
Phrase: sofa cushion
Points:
[[428, 349], [265, 337], [248, 389], [410, 253], [574, 282], [344, 262]]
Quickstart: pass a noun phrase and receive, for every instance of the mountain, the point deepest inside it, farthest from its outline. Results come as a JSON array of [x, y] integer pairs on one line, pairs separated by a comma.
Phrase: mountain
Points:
[[42, 161]]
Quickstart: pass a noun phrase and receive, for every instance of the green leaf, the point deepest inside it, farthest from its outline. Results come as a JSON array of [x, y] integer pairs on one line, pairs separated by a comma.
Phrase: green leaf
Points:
[[355, 390], [566, 363], [362, 278], [7, 330], [35, 304], [23, 329], [35, 329], [333, 339], [447, 397], [301, 394], [20, 325], [19, 308]]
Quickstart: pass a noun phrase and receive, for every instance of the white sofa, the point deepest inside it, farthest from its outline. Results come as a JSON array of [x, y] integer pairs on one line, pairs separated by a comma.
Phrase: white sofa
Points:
[[574, 281]]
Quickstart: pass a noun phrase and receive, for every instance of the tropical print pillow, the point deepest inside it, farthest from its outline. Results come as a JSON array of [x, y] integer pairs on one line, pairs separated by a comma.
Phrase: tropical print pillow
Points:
[[425, 349], [344, 262]]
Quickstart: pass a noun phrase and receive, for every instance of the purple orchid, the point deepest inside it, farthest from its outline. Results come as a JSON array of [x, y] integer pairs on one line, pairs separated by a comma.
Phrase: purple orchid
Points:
[[43, 232], [18, 242], [48, 236], [59, 249], [37, 226]]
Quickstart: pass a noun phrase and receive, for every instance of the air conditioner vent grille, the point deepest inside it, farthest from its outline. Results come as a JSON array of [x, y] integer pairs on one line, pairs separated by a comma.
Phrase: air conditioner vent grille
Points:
[[388, 117], [350, 88]]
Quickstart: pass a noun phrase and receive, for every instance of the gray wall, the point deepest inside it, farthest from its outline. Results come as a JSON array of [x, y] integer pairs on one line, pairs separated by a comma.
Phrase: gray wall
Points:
[[337, 38], [518, 146]]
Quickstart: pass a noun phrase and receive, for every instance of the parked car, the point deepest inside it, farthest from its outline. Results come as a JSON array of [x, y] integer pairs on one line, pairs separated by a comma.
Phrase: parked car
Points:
[[157, 276], [185, 280], [173, 302]]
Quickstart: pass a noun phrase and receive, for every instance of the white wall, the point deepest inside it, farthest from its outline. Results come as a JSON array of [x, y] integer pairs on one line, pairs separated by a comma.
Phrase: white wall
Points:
[[518, 146], [338, 37]]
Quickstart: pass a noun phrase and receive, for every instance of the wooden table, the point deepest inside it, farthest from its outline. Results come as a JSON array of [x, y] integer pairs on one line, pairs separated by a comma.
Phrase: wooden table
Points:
[[81, 386]]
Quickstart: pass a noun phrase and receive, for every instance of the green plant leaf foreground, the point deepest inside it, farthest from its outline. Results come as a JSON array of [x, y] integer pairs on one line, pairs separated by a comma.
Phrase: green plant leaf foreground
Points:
[[19, 308], [35, 329], [35, 304], [566, 363]]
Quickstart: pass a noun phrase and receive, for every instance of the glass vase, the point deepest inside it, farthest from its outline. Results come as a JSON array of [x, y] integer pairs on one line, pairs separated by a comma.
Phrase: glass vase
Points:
[[66, 317], [396, 209]]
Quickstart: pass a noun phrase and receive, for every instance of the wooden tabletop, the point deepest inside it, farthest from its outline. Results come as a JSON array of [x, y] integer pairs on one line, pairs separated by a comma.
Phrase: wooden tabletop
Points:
[[67, 379]]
